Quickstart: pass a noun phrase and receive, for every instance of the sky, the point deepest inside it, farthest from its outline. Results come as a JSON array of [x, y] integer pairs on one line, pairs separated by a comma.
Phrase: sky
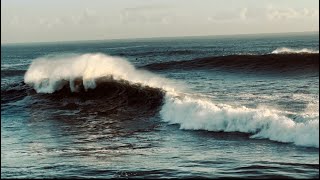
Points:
[[73, 20]]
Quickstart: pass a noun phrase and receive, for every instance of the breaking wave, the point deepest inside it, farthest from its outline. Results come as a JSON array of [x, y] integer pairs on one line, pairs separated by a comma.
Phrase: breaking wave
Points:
[[114, 86], [284, 50], [196, 114], [47, 74]]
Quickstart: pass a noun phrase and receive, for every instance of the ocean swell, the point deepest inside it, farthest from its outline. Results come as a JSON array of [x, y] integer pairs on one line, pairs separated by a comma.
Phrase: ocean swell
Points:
[[284, 64], [113, 80]]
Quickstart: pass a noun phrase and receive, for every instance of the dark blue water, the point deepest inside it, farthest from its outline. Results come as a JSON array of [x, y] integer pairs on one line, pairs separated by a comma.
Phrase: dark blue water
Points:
[[207, 129]]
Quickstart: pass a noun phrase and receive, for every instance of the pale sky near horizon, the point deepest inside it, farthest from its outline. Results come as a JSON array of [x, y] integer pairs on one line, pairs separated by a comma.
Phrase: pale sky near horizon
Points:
[[57, 20]]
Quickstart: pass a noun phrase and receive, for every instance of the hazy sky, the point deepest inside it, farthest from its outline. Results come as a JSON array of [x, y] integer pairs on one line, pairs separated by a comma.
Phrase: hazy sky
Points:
[[65, 20]]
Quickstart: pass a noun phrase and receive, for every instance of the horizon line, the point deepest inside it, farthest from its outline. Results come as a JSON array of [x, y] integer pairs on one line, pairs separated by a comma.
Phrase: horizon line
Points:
[[156, 37]]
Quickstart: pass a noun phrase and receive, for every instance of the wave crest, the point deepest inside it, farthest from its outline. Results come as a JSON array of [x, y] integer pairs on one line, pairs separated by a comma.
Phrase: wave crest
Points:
[[285, 50], [47, 74]]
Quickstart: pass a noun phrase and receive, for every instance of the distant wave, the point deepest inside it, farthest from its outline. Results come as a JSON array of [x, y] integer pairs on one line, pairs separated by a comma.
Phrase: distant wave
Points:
[[284, 50], [126, 47], [271, 63], [9, 73], [112, 80], [6, 66], [155, 53]]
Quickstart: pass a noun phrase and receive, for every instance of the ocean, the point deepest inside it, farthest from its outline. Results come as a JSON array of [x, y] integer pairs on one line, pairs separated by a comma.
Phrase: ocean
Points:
[[188, 107]]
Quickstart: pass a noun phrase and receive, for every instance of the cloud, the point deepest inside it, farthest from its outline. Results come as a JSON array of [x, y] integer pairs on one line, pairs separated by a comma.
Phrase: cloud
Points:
[[12, 21], [158, 14], [86, 17], [263, 14], [50, 23], [229, 16], [276, 14], [315, 13], [147, 8], [243, 13]]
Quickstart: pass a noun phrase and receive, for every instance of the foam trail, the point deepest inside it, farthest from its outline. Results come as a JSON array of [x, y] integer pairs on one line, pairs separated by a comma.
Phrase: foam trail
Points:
[[49, 74], [196, 114], [284, 50]]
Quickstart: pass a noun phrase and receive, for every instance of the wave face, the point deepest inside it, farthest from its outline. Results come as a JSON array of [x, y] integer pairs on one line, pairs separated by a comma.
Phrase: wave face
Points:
[[111, 85], [14, 92], [272, 63], [111, 98], [284, 50]]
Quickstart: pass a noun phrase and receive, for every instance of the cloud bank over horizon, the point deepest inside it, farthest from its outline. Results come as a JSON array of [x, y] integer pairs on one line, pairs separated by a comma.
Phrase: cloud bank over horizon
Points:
[[41, 21]]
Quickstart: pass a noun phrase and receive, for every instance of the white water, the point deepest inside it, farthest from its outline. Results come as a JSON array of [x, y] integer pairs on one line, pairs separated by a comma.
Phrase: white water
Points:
[[47, 73], [284, 50], [198, 114]]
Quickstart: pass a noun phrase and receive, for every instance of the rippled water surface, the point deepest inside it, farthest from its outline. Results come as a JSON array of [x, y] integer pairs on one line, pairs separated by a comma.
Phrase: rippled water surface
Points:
[[229, 120]]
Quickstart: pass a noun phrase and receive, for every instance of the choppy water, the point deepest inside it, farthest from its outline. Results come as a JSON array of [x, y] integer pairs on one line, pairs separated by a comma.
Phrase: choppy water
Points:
[[125, 108]]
